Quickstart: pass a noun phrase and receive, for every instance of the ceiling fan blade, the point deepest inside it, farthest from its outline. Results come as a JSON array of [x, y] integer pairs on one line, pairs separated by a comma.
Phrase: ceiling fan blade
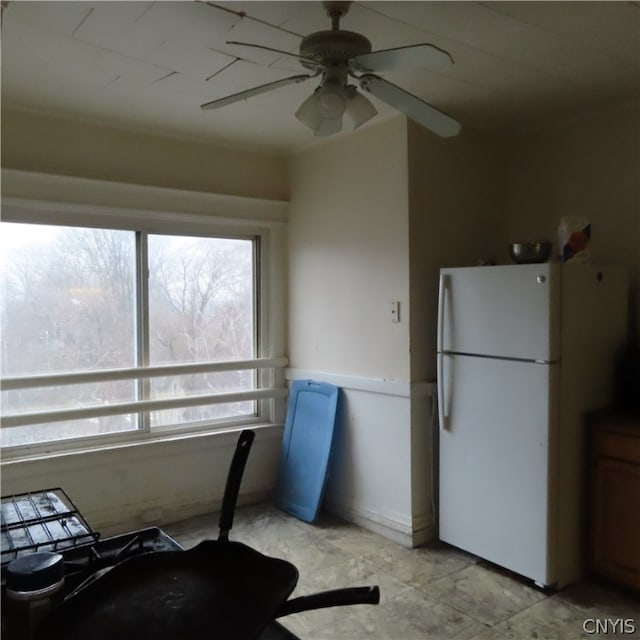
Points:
[[415, 108], [249, 93], [415, 56], [307, 62]]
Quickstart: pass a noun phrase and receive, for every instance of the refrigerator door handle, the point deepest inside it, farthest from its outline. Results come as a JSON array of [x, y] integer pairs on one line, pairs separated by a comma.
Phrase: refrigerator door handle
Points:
[[443, 418], [442, 293]]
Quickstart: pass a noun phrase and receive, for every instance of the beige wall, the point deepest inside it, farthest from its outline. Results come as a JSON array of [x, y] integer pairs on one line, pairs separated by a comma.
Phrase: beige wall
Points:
[[348, 260], [469, 197], [585, 167], [138, 484], [456, 216], [373, 216], [456, 205], [56, 146], [349, 254], [129, 487]]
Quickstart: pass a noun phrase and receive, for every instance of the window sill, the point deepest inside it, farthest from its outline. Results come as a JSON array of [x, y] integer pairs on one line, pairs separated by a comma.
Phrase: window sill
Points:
[[226, 435]]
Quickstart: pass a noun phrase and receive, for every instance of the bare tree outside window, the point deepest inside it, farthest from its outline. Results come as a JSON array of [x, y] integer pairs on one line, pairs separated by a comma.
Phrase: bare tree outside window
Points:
[[201, 309], [68, 303]]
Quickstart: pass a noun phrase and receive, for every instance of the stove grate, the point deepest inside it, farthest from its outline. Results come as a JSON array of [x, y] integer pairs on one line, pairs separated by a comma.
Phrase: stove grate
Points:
[[41, 521]]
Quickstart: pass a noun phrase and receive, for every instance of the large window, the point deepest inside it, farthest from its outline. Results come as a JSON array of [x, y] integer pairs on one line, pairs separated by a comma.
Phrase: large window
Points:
[[108, 332]]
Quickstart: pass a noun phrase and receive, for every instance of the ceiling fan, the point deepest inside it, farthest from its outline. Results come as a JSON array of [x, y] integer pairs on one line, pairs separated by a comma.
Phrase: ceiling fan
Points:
[[338, 55]]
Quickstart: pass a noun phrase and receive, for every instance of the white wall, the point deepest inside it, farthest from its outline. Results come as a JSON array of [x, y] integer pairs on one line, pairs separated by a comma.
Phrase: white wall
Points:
[[348, 260]]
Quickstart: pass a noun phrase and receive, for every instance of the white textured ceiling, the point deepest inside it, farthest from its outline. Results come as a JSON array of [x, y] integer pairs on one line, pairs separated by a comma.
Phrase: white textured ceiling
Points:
[[150, 65]]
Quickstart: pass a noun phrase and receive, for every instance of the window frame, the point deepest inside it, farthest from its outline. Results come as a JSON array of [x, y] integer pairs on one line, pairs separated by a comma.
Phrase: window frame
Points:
[[268, 312]]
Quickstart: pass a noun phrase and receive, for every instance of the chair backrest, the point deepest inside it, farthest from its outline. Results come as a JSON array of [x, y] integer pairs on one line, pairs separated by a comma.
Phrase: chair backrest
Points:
[[234, 479]]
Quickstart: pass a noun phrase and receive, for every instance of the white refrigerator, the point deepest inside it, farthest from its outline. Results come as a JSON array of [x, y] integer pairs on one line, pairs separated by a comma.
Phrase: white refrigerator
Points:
[[523, 352]]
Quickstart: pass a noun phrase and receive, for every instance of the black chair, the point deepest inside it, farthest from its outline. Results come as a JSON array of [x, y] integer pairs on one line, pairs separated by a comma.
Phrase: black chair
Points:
[[218, 589]]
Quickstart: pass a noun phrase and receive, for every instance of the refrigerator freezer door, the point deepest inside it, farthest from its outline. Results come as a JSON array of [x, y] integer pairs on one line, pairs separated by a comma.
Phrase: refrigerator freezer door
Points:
[[495, 464], [503, 311]]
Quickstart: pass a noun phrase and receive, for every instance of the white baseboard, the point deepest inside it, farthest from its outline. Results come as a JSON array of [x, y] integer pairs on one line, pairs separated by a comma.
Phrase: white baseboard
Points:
[[422, 531], [396, 531]]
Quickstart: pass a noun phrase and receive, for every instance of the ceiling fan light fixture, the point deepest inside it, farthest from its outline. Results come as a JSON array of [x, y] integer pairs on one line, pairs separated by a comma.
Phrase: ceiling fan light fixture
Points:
[[359, 109], [331, 101], [324, 109], [308, 114], [328, 127]]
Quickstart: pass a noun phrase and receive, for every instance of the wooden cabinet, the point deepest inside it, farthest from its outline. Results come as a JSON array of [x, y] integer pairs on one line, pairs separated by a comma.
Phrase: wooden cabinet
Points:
[[615, 498]]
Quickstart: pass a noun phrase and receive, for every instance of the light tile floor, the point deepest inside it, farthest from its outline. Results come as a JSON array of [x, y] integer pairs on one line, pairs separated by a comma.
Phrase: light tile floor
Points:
[[435, 592]]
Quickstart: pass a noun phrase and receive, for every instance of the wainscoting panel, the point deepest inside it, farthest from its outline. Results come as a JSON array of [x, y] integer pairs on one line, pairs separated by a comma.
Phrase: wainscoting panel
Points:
[[372, 466]]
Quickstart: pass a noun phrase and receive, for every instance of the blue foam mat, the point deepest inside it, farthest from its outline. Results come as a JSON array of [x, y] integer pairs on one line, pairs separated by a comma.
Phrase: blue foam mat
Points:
[[306, 446]]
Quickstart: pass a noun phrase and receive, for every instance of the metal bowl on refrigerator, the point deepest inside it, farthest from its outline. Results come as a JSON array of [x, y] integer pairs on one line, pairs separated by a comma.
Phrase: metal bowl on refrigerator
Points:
[[530, 252]]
